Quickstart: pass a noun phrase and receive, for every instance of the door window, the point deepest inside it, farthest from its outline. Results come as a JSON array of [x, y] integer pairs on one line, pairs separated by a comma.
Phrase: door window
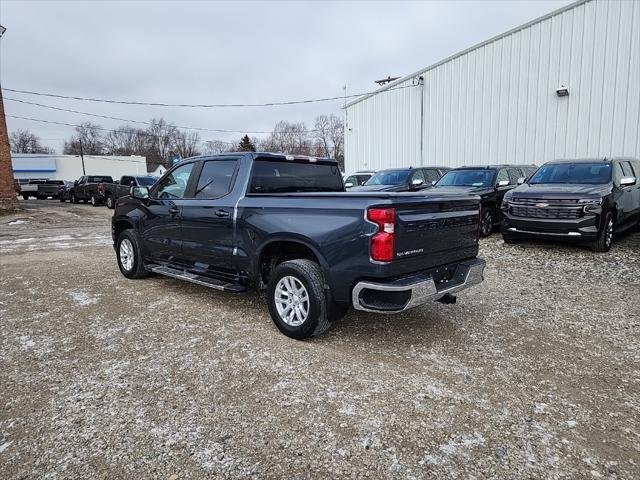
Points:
[[627, 169], [216, 179], [515, 174], [353, 180], [431, 176], [503, 175], [417, 175], [174, 185]]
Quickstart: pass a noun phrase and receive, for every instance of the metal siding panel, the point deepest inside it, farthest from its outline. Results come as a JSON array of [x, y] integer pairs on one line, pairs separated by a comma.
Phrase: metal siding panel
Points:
[[497, 103]]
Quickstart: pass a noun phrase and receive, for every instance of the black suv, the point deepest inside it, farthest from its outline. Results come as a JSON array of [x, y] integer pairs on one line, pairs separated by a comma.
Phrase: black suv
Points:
[[580, 200], [402, 179], [490, 183]]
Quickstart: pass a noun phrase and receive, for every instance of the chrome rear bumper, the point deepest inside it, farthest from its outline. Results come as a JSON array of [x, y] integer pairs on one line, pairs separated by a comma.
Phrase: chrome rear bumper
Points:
[[411, 291]]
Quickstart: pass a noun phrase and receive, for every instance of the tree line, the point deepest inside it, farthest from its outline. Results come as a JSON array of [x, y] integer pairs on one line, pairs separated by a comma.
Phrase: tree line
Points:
[[162, 141]]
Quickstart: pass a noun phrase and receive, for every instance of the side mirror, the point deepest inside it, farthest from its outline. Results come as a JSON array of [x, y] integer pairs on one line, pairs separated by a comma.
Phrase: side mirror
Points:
[[75, 184], [417, 183], [521, 180], [139, 192], [626, 181], [132, 183], [503, 183], [348, 185], [433, 182]]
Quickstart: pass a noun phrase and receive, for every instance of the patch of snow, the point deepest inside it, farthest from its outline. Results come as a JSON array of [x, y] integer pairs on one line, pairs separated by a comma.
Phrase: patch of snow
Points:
[[83, 298], [18, 222], [4, 446], [26, 342]]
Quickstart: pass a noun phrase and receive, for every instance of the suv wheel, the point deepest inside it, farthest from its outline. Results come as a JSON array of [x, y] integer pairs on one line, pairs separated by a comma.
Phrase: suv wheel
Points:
[[72, 198], [110, 202], [486, 222], [297, 299], [605, 236], [93, 200], [129, 253]]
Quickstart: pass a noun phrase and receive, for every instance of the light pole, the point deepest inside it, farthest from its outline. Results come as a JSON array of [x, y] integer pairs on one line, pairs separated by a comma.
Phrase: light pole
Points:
[[7, 187]]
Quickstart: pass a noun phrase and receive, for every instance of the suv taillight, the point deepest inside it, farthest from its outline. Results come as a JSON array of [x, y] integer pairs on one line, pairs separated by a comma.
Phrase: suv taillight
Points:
[[383, 243], [479, 223], [101, 188]]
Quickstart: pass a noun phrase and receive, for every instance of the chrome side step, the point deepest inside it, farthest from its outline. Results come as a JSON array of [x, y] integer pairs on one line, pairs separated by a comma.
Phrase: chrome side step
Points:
[[199, 279]]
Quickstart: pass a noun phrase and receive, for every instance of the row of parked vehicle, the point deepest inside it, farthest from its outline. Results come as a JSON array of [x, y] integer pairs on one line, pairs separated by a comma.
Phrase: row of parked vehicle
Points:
[[579, 200], [94, 189], [284, 224]]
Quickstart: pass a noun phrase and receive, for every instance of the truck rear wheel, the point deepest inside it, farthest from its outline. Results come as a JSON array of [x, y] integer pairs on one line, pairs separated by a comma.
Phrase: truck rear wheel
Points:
[[25, 196], [109, 201], [130, 255], [297, 299], [94, 200], [72, 198]]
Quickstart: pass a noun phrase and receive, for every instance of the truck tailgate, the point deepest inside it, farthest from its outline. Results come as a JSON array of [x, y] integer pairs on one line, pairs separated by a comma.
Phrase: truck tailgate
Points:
[[435, 231]]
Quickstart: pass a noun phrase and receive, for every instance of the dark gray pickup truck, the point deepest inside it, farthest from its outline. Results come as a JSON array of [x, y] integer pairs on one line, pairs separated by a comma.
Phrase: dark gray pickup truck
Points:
[[284, 223], [113, 191]]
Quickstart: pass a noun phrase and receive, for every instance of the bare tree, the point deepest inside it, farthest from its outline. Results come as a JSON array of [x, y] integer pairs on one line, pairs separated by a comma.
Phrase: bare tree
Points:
[[186, 144], [322, 135], [161, 140], [126, 141], [292, 138], [213, 147], [24, 141], [336, 135], [88, 135]]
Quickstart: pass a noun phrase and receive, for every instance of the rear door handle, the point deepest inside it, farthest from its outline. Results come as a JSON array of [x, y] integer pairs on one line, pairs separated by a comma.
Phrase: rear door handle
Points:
[[174, 210], [222, 213]]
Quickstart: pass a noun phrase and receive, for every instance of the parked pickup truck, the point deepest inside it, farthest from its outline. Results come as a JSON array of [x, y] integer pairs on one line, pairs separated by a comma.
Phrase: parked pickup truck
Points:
[[30, 189], [113, 191], [285, 224], [89, 188]]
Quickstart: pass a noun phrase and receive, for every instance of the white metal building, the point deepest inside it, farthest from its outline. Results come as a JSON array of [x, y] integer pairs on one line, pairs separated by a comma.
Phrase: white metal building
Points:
[[497, 102], [69, 167]]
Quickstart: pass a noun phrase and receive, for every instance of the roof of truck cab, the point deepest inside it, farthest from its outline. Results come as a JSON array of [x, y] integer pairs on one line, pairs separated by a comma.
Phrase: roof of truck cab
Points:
[[255, 155], [592, 160]]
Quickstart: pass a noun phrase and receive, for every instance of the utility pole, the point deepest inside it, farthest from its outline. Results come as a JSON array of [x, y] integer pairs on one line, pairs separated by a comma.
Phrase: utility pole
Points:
[[82, 155], [8, 200]]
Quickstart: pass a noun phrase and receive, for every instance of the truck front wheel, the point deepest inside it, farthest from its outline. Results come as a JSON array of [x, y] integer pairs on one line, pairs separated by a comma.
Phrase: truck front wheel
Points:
[[297, 299], [130, 256]]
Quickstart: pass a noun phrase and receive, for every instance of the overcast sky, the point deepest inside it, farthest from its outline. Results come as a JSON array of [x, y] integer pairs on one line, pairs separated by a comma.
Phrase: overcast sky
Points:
[[227, 52]]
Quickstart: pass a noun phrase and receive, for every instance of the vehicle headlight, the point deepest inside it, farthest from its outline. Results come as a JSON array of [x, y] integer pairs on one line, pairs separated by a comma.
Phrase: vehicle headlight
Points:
[[590, 201], [591, 204]]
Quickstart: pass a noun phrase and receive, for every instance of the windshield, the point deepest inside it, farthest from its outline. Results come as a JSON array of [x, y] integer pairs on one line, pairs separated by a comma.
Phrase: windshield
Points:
[[588, 173], [467, 178], [389, 177], [100, 180], [147, 181]]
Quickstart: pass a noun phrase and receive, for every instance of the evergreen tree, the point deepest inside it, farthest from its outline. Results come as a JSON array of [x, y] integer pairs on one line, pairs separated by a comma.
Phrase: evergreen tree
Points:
[[246, 145]]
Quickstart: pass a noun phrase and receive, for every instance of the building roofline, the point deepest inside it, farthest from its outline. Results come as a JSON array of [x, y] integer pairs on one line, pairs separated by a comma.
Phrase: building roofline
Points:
[[470, 49]]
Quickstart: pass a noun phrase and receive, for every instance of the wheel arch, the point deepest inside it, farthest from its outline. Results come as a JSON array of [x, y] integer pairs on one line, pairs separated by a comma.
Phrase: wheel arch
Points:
[[280, 248]]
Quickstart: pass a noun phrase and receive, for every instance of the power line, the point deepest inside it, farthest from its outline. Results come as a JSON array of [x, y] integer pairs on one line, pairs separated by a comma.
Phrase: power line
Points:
[[108, 117], [97, 127], [203, 105]]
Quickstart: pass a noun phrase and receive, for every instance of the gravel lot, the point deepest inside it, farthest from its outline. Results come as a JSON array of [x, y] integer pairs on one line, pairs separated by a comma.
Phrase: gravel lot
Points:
[[533, 374]]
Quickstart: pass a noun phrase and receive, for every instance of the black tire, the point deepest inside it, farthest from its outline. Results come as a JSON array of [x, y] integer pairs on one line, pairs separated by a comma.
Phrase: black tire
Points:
[[487, 222], [94, 200], [25, 197], [309, 274], [61, 199], [72, 198], [111, 204], [605, 235], [137, 270]]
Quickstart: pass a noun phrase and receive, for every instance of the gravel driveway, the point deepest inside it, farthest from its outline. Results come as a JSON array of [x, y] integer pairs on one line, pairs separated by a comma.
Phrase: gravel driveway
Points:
[[533, 374]]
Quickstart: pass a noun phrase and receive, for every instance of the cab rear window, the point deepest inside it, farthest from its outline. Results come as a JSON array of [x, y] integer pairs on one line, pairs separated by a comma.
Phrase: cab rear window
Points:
[[284, 176]]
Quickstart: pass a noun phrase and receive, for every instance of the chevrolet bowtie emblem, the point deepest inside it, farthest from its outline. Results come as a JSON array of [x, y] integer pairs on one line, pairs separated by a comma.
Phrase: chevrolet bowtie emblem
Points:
[[542, 205]]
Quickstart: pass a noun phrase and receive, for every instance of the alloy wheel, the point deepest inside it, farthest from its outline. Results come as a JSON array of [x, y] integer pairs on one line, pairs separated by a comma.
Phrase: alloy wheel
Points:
[[126, 254], [292, 301]]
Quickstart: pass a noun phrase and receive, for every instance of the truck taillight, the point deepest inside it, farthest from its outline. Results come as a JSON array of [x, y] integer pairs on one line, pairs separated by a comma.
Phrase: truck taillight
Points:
[[101, 188], [383, 243]]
